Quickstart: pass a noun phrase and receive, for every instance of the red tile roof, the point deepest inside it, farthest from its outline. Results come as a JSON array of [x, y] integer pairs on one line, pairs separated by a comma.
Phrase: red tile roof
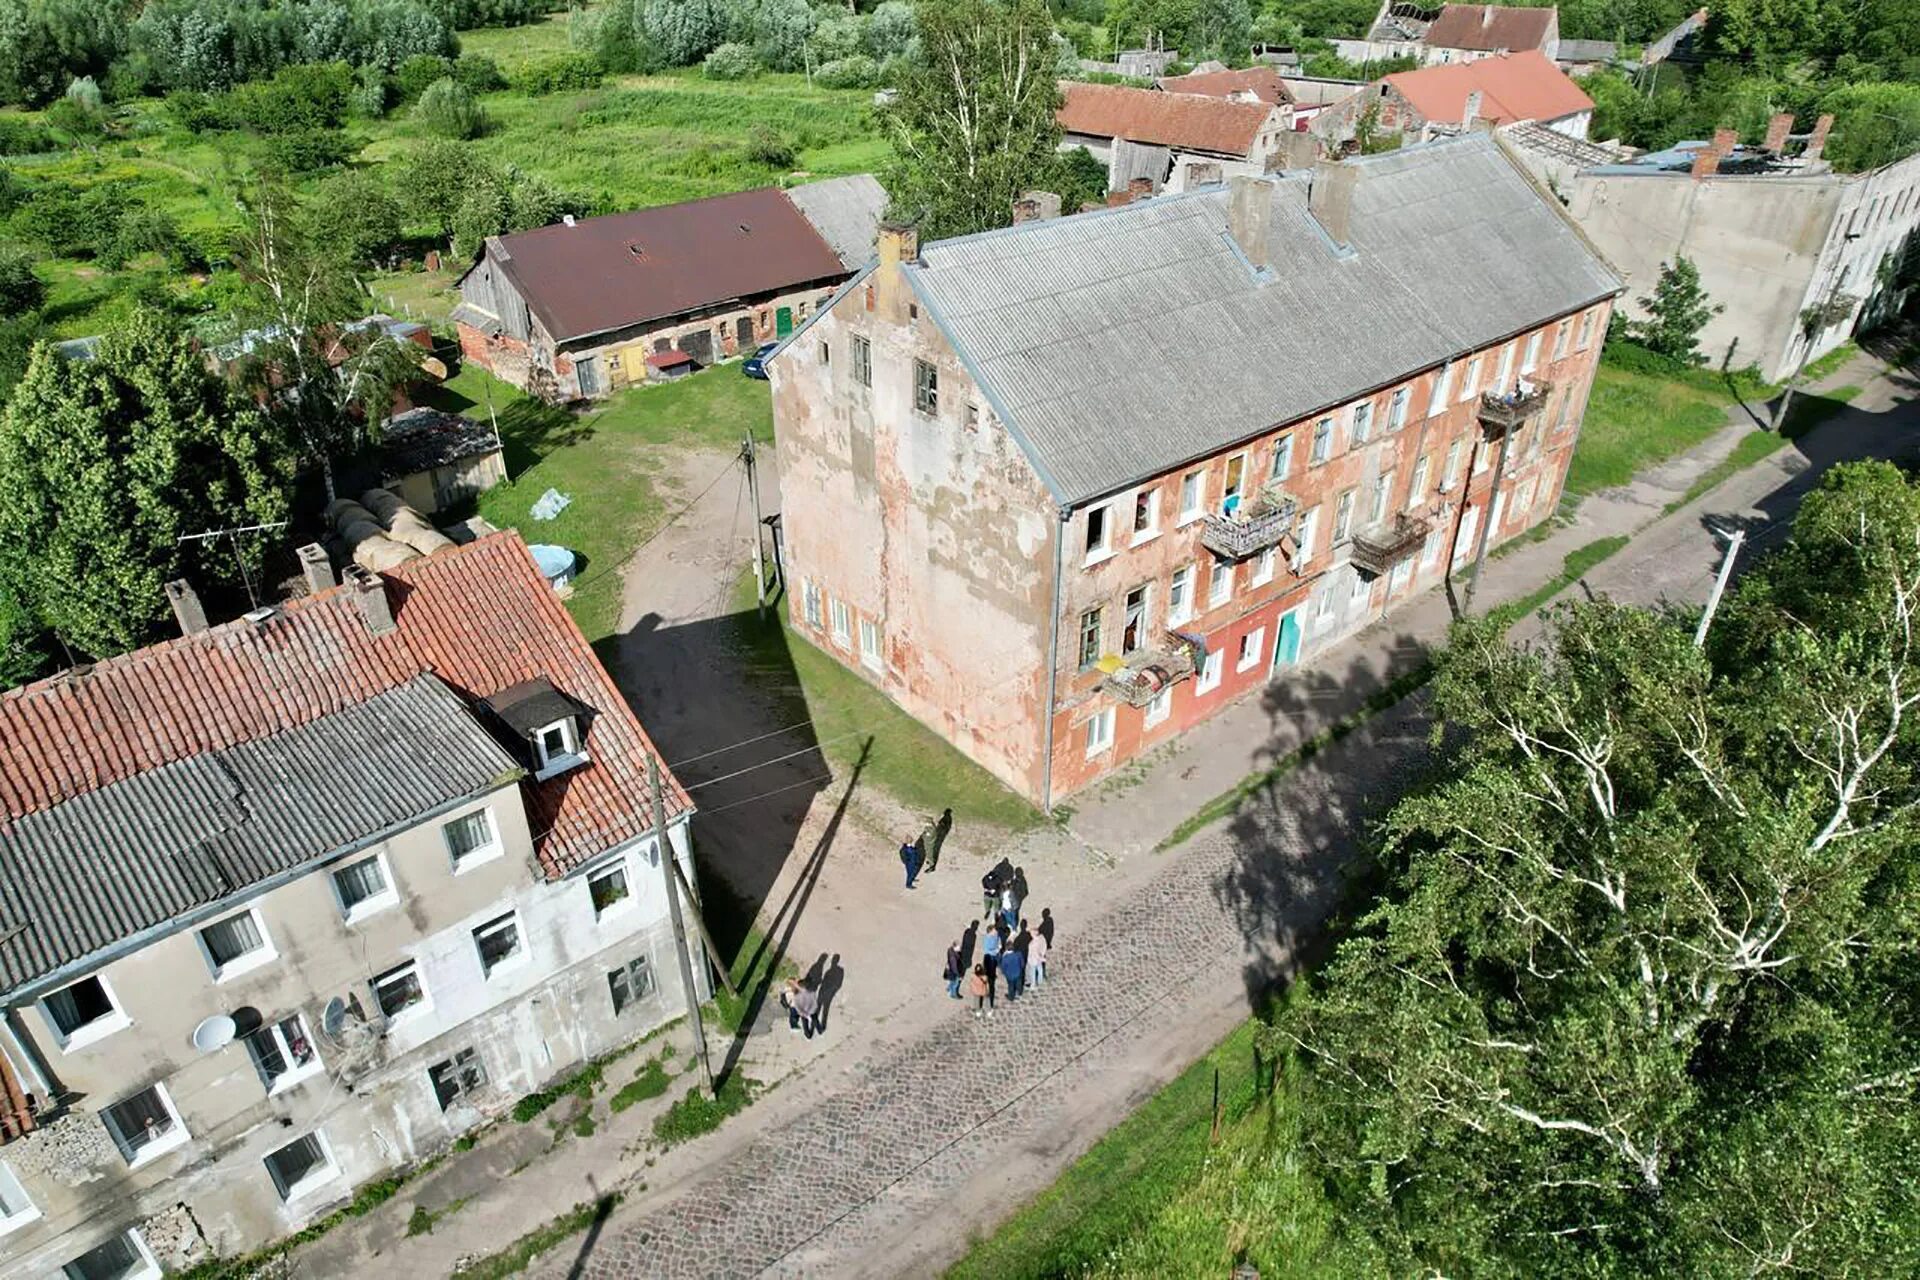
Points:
[[16, 1109], [601, 274], [1263, 83], [480, 617], [1513, 87], [1490, 28], [1183, 120]]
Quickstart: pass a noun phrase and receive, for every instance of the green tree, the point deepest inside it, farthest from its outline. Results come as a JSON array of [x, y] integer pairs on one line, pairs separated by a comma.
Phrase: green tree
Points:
[[355, 211], [449, 109], [973, 122], [1677, 310], [21, 289], [1637, 998], [104, 464], [437, 175], [681, 31]]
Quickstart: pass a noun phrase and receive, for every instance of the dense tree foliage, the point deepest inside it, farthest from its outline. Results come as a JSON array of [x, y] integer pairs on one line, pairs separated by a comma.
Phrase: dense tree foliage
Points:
[[449, 109], [1638, 997], [104, 464], [1677, 310]]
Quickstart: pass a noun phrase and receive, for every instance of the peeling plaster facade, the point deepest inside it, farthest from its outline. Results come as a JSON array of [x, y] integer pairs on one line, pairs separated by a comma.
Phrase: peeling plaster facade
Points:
[[369, 1095], [922, 549]]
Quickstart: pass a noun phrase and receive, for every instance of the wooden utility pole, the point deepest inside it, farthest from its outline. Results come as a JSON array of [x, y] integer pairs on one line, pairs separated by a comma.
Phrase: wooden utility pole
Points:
[[1719, 587], [672, 880], [753, 487], [1486, 526]]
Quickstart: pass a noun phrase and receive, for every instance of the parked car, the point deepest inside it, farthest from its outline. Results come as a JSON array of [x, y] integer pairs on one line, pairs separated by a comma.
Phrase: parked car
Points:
[[756, 365]]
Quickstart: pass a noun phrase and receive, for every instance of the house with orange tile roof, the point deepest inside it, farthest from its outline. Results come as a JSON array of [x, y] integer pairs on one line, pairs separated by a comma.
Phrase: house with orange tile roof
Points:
[[294, 901], [1171, 141], [1496, 92]]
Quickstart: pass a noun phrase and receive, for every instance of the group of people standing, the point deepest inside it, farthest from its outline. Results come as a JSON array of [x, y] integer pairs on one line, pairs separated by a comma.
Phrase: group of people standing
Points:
[[1011, 951], [922, 853]]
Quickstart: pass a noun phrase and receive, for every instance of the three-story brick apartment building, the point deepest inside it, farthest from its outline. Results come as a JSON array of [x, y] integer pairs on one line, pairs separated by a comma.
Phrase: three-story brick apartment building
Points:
[[290, 902], [1064, 490]]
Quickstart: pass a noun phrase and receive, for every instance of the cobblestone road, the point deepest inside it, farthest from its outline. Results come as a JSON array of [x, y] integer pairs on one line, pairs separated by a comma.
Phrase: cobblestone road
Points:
[[818, 1193]]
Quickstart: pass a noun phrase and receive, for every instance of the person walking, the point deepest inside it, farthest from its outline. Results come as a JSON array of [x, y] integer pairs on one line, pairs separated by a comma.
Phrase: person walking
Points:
[[941, 827], [1046, 925], [1019, 880], [981, 990], [1013, 967], [1037, 950], [911, 856], [955, 970], [803, 1006]]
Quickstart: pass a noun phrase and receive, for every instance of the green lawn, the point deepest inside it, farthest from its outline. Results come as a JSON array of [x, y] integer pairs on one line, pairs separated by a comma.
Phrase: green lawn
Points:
[[1807, 412], [1636, 420], [608, 458]]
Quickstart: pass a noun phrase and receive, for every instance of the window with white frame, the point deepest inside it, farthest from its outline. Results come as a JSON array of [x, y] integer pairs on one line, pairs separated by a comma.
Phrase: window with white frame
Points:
[[1159, 707], [1193, 495], [1099, 533], [1263, 567], [1471, 387], [1450, 473], [1397, 409], [1417, 491], [471, 839], [1309, 530], [1343, 517], [1236, 483], [1211, 669], [810, 602], [1252, 645], [16, 1209], [1362, 588], [1530, 359], [1561, 332], [121, 1257], [145, 1125], [400, 990], [556, 748], [283, 1053], [1586, 332], [926, 389], [364, 887], [862, 361], [460, 1076], [1091, 638], [1219, 584], [1322, 442], [1382, 494], [1442, 387], [1180, 596], [1146, 515], [631, 983], [1283, 456], [1100, 732], [84, 1011], [498, 942], [1481, 460], [1362, 424], [870, 643], [302, 1166], [842, 621], [1398, 578], [236, 944], [1430, 550], [1501, 378], [1133, 620], [1463, 542], [608, 888], [1326, 599]]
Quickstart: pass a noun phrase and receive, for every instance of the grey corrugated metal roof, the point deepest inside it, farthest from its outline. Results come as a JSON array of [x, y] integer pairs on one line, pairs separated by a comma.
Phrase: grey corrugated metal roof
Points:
[[111, 864], [1122, 343], [845, 211]]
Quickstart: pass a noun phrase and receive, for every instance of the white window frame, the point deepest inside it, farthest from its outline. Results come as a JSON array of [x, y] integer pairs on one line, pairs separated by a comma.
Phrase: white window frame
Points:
[[1228, 489], [1504, 370], [1152, 531], [1252, 645], [1470, 386], [1442, 388], [92, 1032], [1309, 530], [1193, 496], [10, 1189], [1220, 572], [1099, 728], [1322, 447], [1325, 609], [1343, 516], [870, 644], [862, 361], [926, 391], [1430, 550], [1397, 408], [1263, 567], [1361, 591], [1159, 707], [175, 1137], [1561, 333], [1463, 541], [515, 959], [1212, 667], [571, 755], [1103, 550], [149, 1265], [810, 602], [1084, 659], [1585, 338], [372, 904], [1283, 456], [1180, 602], [480, 854], [1382, 498], [265, 953], [1360, 426], [1422, 472], [293, 1075], [625, 903], [1450, 473], [842, 618], [312, 1181], [418, 1009], [1530, 358]]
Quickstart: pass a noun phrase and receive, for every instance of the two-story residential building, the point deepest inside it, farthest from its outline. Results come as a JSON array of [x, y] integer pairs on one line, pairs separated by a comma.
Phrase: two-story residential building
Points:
[[1065, 489], [1164, 138], [291, 902]]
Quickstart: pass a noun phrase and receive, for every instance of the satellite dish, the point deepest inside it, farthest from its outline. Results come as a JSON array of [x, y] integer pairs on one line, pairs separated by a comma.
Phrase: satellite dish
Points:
[[215, 1032], [333, 1018]]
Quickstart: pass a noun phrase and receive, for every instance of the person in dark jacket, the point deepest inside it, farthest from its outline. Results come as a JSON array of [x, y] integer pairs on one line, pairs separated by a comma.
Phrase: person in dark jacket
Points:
[[1013, 966], [1046, 924], [911, 856], [941, 826], [991, 884], [956, 969], [1022, 939]]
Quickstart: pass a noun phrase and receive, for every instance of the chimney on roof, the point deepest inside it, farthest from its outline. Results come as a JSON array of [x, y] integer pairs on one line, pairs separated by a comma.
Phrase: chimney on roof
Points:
[[1818, 142], [187, 609], [1724, 141], [1250, 217], [1471, 111], [1706, 162], [315, 567], [1035, 206], [1777, 130], [370, 597], [1330, 198], [1486, 16], [898, 244]]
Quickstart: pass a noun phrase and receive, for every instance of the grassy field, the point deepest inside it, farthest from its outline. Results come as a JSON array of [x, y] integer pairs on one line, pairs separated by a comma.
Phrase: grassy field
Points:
[[1806, 413], [608, 459], [1637, 420]]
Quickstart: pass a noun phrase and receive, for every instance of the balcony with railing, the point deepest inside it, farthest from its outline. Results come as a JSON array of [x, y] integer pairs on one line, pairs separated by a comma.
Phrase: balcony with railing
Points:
[[1141, 677], [1376, 551], [1251, 527], [1504, 411]]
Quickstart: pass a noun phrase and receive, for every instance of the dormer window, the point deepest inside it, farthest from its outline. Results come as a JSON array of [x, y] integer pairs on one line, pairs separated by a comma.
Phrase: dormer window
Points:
[[555, 748], [549, 727]]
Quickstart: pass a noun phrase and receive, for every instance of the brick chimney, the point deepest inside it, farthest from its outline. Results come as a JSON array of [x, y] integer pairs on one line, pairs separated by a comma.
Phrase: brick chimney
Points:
[[1250, 217], [370, 597], [1724, 141], [1818, 142], [899, 245], [1139, 189], [1706, 162], [1330, 198], [187, 609], [315, 567], [1471, 112], [1119, 199], [1036, 206], [1777, 130]]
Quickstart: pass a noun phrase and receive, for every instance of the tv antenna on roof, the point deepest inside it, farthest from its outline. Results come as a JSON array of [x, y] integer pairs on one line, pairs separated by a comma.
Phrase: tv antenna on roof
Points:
[[233, 537]]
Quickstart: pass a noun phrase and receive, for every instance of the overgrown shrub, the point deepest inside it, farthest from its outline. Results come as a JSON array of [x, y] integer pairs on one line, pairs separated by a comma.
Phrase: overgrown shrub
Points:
[[416, 75], [372, 95], [562, 73], [21, 289], [730, 62], [306, 150], [448, 109], [296, 99], [468, 14], [479, 73], [766, 146], [24, 138], [355, 212], [855, 72], [890, 30]]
